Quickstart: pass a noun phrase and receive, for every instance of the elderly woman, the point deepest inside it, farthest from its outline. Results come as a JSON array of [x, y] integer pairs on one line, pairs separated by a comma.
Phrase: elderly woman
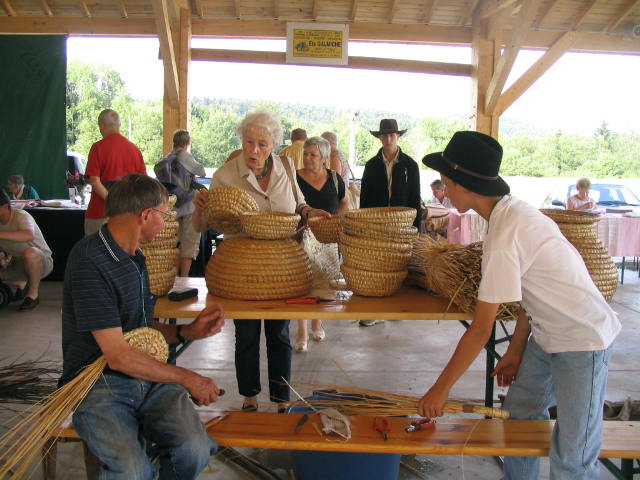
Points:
[[270, 180], [581, 200], [324, 189], [17, 190]]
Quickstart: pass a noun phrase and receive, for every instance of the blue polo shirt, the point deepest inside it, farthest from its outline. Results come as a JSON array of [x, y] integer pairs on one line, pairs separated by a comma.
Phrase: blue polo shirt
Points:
[[104, 287]]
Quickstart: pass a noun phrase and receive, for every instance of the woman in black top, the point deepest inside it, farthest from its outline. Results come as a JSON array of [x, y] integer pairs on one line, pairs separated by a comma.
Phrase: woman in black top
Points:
[[322, 188]]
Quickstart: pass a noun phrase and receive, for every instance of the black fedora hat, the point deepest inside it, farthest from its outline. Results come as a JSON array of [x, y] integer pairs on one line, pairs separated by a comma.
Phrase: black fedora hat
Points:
[[387, 125], [471, 159]]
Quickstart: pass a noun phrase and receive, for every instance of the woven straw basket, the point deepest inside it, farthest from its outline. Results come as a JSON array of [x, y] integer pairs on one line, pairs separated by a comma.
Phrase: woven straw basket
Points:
[[374, 260], [373, 284], [580, 229], [389, 215], [269, 225], [326, 230], [381, 231], [160, 283], [248, 269], [225, 206], [150, 341], [160, 260], [376, 244], [160, 243]]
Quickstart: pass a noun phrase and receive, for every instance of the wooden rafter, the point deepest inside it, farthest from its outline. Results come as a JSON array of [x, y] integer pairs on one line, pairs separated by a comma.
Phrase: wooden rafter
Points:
[[196, 8], [314, 10], [123, 9], [236, 8], [85, 9], [429, 6], [508, 58], [394, 8], [45, 8], [496, 7], [544, 63], [544, 14], [366, 63], [465, 19], [583, 14], [624, 11], [171, 85], [8, 8], [354, 10]]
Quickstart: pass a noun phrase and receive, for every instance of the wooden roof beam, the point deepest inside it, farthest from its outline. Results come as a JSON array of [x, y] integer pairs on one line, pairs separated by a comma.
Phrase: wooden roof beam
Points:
[[583, 14], [429, 5], [393, 10], [624, 11], [508, 57], [354, 10], [171, 84], [366, 63], [468, 13], [497, 7], [123, 9], [45, 8], [196, 8], [8, 8], [85, 9], [550, 6], [236, 8], [544, 63], [314, 10]]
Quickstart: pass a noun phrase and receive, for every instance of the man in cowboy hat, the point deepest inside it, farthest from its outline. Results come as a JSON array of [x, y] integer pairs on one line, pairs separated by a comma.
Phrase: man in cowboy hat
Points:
[[391, 178], [562, 339]]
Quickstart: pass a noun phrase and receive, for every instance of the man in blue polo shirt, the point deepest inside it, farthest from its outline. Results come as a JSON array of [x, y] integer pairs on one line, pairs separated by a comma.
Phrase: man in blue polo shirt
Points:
[[138, 399]]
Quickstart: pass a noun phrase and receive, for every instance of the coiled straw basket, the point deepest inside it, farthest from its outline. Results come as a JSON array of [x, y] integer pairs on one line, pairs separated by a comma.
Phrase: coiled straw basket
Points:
[[580, 229], [224, 207], [326, 230], [269, 225]]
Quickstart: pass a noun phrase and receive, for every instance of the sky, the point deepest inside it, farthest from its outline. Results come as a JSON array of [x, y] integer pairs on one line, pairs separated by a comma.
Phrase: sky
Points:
[[576, 95]]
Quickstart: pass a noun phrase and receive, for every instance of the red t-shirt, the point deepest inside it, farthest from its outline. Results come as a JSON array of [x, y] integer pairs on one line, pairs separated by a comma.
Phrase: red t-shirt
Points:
[[110, 159]]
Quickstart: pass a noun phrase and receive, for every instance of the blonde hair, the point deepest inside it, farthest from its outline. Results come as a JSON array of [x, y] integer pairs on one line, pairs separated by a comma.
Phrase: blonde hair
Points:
[[584, 183]]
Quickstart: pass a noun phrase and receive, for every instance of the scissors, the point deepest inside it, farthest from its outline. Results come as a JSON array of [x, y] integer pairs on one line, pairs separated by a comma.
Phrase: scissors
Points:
[[307, 300], [381, 425]]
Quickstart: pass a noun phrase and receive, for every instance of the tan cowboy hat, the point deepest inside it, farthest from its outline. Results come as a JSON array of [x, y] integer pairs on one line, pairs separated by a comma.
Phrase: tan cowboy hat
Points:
[[387, 125]]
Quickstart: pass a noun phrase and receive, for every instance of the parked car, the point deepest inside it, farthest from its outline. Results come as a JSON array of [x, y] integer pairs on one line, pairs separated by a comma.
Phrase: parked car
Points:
[[76, 163], [608, 196]]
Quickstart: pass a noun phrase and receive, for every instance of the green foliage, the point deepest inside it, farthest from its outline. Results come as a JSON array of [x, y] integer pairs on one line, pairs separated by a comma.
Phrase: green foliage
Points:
[[213, 135]]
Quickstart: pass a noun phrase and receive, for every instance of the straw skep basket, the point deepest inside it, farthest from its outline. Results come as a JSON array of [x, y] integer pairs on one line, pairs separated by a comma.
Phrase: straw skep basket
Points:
[[161, 257], [269, 225], [160, 261], [374, 243], [161, 282], [248, 269], [389, 215], [224, 207], [160, 243], [374, 260], [326, 230], [454, 271], [580, 229], [372, 284], [381, 231], [25, 441]]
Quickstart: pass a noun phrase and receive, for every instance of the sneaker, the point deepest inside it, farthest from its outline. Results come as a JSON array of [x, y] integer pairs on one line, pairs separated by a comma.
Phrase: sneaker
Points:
[[29, 304], [369, 323]]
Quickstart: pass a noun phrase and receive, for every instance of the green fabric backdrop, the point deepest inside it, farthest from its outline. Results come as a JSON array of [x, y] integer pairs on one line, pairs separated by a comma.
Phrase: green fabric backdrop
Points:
[[32, 99]]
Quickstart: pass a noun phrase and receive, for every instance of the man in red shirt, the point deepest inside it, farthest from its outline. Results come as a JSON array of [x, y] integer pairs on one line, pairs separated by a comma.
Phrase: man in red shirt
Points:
[[110, 159]]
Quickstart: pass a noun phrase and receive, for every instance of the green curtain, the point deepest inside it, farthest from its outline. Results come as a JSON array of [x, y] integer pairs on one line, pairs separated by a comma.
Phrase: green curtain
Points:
[[33, 120]]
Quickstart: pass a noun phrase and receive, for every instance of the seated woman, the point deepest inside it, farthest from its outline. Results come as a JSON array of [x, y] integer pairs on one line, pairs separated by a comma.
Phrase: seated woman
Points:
[[581, 200], [17, 190], [324, 189]]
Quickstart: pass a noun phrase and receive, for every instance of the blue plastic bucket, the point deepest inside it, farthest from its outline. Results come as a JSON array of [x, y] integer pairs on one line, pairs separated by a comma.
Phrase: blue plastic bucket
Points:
[[314, 465]]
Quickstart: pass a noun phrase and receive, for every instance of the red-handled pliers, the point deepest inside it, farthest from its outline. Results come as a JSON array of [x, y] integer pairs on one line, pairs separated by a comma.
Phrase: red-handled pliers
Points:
[[420, 424], [307, 300], [381, 425]]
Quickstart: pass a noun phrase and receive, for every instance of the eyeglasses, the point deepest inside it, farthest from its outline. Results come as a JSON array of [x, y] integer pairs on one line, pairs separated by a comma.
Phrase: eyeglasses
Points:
[[165, 214]]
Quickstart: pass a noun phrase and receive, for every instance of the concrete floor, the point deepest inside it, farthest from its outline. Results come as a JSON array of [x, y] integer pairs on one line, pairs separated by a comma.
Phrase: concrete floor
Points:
[[396, 356]]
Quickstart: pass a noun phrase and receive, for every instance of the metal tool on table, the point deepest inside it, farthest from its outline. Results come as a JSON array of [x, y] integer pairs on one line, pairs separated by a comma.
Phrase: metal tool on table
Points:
[[420, 424], [301, 422], [381, 425], [307, 300]]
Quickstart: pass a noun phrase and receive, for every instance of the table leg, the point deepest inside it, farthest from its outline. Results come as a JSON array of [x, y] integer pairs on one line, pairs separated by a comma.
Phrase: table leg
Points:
[[622, 272], [490, 363]]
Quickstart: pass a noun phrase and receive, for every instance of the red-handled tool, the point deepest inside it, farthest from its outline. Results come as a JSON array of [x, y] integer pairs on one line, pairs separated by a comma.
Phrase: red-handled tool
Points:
[[381, 425], [307, 300], [420, 424]]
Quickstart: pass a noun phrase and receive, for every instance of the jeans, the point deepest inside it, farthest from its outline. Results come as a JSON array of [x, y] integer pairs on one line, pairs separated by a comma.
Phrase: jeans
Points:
[[121, 414], [576, 382], [248, 357]]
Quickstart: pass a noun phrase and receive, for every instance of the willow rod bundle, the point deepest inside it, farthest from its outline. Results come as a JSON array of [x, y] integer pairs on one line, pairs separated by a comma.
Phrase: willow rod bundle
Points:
[[23, 443], [454, 271], [372, 402]]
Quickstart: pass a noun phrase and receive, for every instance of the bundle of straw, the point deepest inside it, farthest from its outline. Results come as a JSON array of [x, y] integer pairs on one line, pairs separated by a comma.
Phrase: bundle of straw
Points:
[[417, 275], [454, 271], [360, 401], [23, 443]]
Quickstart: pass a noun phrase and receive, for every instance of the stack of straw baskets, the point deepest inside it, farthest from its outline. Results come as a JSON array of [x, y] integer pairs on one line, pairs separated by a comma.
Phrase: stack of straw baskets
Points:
[[161, 255], [269, 265], [376, 247], [580, 229]]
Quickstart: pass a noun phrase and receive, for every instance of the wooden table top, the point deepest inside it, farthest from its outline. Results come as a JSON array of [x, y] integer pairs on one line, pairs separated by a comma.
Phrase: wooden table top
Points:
[[408, 303]]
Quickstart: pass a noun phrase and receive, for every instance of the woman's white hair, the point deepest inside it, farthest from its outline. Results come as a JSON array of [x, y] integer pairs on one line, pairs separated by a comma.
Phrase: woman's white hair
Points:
[[322, 144], [264, 120]]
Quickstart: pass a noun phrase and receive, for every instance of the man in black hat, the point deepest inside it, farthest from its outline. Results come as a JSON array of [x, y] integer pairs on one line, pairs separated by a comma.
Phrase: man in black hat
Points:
[[562, 340]]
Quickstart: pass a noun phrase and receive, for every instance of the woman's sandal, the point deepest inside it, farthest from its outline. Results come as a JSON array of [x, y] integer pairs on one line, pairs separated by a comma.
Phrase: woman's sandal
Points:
[[317, 335], [301, 346]]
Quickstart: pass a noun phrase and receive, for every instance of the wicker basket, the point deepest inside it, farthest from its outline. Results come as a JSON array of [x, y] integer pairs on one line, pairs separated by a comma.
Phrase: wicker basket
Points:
[[160, 243], [377, 244], [160, 283], [580, 229], [388, 215], [249, 269], [269, 225], [326, 230], [373, 284], [381, 231], [224, 207], [160, 260], [374, 260]]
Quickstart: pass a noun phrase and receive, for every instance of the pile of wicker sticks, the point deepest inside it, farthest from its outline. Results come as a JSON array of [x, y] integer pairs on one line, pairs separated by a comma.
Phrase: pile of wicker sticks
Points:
[[376, 247]]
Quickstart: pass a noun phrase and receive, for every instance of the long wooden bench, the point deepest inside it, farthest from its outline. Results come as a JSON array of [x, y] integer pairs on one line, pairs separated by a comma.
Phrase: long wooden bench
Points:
[[450, 436]]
